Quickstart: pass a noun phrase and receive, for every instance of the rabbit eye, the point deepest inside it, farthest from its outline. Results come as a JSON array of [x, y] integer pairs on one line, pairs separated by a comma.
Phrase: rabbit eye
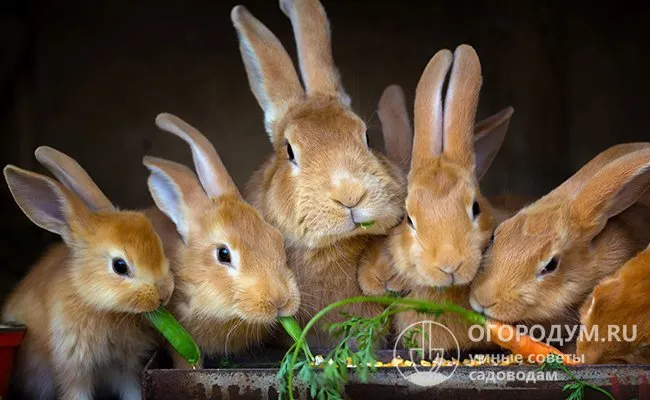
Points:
[[476, 209], [549, 267], [409, 221], [120, 266], [367, 139], [223, 255], [290, 152]]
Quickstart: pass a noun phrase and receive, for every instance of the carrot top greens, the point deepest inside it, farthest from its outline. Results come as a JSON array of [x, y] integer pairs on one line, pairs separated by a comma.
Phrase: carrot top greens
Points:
[[366, 332]]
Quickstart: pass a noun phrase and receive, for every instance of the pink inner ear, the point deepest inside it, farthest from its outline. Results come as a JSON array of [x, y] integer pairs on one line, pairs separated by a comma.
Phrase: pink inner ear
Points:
[[43, 200]]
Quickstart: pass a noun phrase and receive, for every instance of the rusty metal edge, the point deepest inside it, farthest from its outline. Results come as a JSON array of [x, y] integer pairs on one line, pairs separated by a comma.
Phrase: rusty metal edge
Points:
[[256, 379]]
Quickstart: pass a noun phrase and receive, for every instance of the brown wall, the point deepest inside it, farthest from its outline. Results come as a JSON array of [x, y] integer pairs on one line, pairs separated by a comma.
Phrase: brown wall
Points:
[[89, 77]]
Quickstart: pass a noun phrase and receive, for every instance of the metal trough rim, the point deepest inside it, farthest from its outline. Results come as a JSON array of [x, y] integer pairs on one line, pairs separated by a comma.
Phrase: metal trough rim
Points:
[[612, 377]]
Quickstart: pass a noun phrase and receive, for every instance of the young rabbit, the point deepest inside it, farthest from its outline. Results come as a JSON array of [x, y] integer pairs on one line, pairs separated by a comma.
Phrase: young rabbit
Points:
[[82, 302], [323, 184], [377, 274], [545, 260], [617, 305], [232, 279], [448, 221]]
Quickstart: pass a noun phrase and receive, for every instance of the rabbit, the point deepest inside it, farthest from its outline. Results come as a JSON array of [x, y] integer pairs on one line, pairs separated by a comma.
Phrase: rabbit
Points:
[[545, 260], [377, 274], [620, 303], [438, 260], [83, 301], [232, 279], [323, 184]]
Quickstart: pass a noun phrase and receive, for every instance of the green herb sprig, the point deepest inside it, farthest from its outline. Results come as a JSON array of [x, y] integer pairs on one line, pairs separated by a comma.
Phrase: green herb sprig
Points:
[[578, 387]]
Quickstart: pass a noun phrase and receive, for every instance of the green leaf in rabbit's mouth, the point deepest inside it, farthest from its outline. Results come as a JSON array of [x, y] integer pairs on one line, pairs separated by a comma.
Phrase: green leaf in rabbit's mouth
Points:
[[367, 225]]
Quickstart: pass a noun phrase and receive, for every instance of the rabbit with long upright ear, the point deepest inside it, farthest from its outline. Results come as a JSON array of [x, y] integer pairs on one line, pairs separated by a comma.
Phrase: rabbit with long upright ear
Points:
[[545, 260], [230, 267], [616, 316], [82, 302], [232, 279], [377, 274], [448, 222], [323, 187]]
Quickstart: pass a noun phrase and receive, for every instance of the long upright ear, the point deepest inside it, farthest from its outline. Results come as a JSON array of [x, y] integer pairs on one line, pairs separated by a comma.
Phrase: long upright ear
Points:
[[488, 138], [428, 114], [460, 106], [176, 191], [313, 37], [613, 189], [214, 177], [74, 177], [45, 202], [395, 126], [271, 74]]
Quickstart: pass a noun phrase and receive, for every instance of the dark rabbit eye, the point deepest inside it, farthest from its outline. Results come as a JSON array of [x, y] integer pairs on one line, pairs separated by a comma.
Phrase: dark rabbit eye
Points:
[[223, 255], [290, 152], [550, 267], [476, 209], [367, 140], [409, 221], [120, 267]]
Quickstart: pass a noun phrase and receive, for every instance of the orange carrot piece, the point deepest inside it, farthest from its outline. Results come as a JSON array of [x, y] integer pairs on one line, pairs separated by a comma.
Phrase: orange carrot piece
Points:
[[505, 336]]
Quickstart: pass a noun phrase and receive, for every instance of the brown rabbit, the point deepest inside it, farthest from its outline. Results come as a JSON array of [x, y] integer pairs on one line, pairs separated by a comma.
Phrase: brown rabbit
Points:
[[618, 310], [82, 301], [456, 221], [545, 260], [377, 274], [230, 266], [323, 181]]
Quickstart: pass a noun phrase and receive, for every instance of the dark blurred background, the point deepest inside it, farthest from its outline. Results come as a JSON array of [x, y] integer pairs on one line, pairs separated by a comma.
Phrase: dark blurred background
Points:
[[89, 77]]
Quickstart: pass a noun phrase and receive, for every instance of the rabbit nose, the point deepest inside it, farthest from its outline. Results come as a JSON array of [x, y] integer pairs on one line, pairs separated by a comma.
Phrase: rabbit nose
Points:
[[165, 289], [478, 307], [450, 269], [284, 307], [348, 193]]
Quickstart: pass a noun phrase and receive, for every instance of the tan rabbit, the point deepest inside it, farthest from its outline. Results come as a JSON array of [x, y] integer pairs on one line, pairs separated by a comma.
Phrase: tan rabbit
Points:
[[377, 274], [232, 281], [322, 181], [618, 311], [545, 260], [82, 302], [448, 160], [230, 265]]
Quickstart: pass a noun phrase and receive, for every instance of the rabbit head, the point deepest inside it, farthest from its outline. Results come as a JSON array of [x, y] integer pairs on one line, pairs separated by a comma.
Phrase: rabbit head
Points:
[[117, 259], [448, 222], [543, 261], [233, 263], [323, 180]]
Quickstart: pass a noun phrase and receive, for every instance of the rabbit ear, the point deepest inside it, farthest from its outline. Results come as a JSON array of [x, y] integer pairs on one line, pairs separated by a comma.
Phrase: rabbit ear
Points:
[[271, 73], [176, 192], [214, 177], [74, 177], [45, 202], [575, 183], [461, 103], [488, 138], [395, 125], [428, 133], [613, 189], [313, 38]]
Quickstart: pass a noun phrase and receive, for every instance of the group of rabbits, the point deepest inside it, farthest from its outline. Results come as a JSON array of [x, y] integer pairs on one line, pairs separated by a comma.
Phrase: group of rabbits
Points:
[[327, 218]]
